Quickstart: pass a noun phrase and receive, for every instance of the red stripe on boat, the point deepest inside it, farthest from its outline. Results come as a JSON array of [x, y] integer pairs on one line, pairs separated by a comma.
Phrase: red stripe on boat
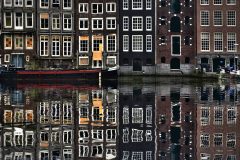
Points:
[[56, 72]]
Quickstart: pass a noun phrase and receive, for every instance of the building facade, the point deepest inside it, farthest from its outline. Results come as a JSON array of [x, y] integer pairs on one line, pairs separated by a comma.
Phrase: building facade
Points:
[[175, 37], [137, 37], [217, 34], [18, 25], [96, 36], [55, 34]]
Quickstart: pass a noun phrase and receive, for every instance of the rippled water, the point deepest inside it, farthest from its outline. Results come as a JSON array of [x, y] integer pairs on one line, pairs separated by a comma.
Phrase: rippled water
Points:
[[133, 120]]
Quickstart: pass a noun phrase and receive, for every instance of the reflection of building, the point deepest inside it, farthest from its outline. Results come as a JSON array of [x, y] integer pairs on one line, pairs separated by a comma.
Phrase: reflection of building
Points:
[[136, 123], [97, 121], [175, 41], [56, 124], [175, 125], [217, 33], [18, 120], [96, 33], [217, 123]]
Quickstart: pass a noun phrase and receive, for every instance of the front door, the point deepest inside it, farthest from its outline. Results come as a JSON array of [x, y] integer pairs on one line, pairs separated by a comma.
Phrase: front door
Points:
[[137, 65], [18, 60]]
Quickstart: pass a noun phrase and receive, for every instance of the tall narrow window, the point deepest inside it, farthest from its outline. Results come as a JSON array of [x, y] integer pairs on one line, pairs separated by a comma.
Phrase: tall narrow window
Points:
[[18, 42], [83, 24], [111, 43], [125, 4], [55, 46], [110, 7], [148, 23], [83, 44], [217, 18], [67, 45], [231, 18], [125, 43], [67, 21], [204, 18], [8, 20], [111, 23], [44, 22], [205, 39], [176, 45], [125, 23], [44, 45], [29, 20], [149, 43], [218, 41], [231, 42], [55, 21], [7, 42], [148, 4], [18, 20], [29, 42]]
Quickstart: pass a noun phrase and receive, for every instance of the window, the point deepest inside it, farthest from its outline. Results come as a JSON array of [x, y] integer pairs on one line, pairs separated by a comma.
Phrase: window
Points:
[[148, 23], [111, 7], [97, 23], [18, 20], [204, 140], [217, 2], [137, 115], [111, 23], [83, 7], [148, 135], [218, 41], [18, 3], [125, 23], [111, 134], [55, 21], [97, 134], [97, 41], [67, 4], [125, 115], [137, 135], [83, 151], [111, 43], [67, 45], [55, 3], [149, 115], [44, 20], [7, 3], [125, 135], [8, 20], [67, 137], [44, 3], [204, 18], [218, 115], [18, 42], [137, 43], [67, 21], [217, 18], [149, 43], [29, 42], [231, 2], [205, 39], [29, 20], [83, 24], [148, 4], [231, 18], [137, 23], [231, 115], [111, 60], [29, 3], [231, 42], [148, 155], [125, 4], [231, 157], [6, 57], [83, 44], [176, 45], [83, 136], [137, 5], [204, 2], [44, 48], [205, 116], [97, 8], [83, 60], [218, 139], [125, 43], [231, 140], [55, 46]]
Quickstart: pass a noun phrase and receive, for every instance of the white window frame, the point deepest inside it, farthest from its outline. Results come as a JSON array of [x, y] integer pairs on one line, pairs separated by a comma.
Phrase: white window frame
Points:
[[6, 57], [40, 4], [218, 3], [97, 8], [56, 21], [46, 40], [112, 57], [112, 19], [216, 19], [125, 23], [230, 20], [80, 51], [125, 4], [71, 21], [137, 8], [141, 45], [20, 3], [202, 21], [148, 4], [85, 5], [69, 7], [83, 57], [209, 38], [40, 21], [125, 43], [18, 27], [68, 46], [26, 17], [201, 2], [7, 5], [97, 19], [115, 43], [15, 41], [137, 18], [57, 44], [84, 20], [218, 41], [148, 23], [6, 21], [148, 43], [28, 5], [111, 7], [231, 3]]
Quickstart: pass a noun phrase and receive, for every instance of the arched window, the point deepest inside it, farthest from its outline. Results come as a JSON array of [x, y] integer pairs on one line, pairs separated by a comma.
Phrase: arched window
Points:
[[163, 20], [175, 25], [175, 6]]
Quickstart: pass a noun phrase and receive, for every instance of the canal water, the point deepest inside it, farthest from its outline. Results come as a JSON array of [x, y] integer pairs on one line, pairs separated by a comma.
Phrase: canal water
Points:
[[151, 119]]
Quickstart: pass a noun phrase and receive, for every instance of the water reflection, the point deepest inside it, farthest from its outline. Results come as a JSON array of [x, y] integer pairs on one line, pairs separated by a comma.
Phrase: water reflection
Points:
[[131, 122]]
